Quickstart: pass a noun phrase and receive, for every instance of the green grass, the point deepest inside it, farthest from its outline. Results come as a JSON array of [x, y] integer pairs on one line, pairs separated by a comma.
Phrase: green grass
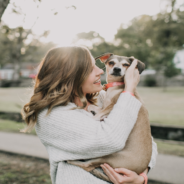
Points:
[[170, 148], [23, 170], [16, 169], [165, 108], [13, 99], [13, 126]]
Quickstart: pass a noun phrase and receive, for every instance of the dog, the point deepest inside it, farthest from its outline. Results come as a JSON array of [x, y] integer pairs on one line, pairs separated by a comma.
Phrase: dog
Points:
[[136, 154]]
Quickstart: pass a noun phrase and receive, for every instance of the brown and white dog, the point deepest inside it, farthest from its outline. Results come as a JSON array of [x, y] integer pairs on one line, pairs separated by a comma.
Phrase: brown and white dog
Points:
[[136, 154]]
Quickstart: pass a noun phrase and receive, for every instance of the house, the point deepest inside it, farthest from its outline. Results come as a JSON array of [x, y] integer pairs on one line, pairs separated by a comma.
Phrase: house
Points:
[[179, 60], [28, 70], [8, 73], [9, 76]]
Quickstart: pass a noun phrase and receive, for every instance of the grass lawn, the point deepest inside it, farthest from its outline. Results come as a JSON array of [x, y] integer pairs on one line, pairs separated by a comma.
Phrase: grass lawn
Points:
[[17, 169], [23, 170], [164, 107], [170, 148], [12, 126], [13, 99]]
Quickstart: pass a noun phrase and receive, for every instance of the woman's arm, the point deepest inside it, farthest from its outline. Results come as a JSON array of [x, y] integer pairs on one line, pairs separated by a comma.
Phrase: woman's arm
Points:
[[79, 136], [122, 175]]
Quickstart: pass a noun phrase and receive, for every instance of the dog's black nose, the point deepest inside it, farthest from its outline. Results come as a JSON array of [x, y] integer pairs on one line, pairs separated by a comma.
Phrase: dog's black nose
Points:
[[116, 69]]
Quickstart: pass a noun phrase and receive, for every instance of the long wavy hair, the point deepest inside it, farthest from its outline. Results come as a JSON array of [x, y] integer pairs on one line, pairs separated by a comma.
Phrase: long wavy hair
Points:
[[60, 77]]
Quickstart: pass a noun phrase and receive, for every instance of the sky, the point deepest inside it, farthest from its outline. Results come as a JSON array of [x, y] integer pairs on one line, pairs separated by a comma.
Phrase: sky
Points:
[[102, 16]]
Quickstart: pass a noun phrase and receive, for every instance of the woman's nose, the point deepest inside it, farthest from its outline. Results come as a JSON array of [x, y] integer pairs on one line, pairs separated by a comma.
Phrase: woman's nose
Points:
[[100, 72]]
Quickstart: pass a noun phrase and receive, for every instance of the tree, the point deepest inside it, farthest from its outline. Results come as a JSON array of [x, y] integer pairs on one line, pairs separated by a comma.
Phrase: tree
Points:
[[168, 38], [19, 38], [4, 49], [154, 39], [89, 39], [3, 6], [133, 40], [15, 49], [95, 43]]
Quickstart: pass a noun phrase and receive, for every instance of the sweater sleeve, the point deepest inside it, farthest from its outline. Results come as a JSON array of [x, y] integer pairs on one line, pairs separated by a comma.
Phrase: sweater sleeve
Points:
[[82, 137], [154, 155]]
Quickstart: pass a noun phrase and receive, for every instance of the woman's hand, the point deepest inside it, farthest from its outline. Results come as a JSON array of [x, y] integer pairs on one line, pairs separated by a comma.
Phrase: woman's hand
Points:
[[132, 77], [128, 177]]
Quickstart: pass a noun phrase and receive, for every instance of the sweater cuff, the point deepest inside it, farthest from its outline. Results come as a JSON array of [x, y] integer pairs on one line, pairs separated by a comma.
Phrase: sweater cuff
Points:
[[153, 159]]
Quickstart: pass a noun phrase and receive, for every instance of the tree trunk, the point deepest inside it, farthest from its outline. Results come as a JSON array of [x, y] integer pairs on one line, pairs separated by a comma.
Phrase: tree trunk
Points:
[[3, 6], [165, 84]]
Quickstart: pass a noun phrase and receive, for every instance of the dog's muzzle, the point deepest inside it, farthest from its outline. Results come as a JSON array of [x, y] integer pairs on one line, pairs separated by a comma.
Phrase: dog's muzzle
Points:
[[116, 71]]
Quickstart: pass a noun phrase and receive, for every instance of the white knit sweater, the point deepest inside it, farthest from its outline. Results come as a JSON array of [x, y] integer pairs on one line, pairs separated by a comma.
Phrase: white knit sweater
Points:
[[74, 134]]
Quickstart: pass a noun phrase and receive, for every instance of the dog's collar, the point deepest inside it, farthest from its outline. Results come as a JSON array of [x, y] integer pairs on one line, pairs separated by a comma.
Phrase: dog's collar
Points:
[[112, 84]]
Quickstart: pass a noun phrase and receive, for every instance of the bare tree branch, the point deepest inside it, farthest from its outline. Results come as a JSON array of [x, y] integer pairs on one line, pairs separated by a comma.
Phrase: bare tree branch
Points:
[[3, 6]]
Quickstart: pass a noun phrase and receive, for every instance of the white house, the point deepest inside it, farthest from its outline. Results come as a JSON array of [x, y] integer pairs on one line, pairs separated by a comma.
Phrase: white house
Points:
[[179, 60]]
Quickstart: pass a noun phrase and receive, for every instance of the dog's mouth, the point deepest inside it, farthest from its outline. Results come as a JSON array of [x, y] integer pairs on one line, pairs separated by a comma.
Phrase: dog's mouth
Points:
[[116, 74]]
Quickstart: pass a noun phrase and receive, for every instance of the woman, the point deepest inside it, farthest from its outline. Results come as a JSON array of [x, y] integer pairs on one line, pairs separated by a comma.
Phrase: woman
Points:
[[67, 82]]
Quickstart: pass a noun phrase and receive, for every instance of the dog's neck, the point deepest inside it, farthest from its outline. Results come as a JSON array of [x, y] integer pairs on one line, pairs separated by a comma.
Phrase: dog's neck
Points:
[[112, 84]]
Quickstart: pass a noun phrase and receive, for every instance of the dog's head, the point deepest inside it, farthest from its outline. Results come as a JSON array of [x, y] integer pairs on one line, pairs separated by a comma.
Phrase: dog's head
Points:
[[116, 66]]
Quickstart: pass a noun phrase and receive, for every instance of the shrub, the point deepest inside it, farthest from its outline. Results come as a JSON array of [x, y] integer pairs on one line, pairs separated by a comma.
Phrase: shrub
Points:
[[150, 81]]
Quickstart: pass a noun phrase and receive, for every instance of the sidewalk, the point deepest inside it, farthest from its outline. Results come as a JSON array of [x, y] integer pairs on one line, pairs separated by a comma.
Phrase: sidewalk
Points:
[[168, 169], [22, 144]]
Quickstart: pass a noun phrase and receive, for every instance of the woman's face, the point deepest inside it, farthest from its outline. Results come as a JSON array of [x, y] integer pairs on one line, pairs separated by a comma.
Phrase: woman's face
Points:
[[93, 83]]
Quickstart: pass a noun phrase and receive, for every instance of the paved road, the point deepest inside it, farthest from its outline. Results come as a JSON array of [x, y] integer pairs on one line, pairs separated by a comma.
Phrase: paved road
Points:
[[168, 168]]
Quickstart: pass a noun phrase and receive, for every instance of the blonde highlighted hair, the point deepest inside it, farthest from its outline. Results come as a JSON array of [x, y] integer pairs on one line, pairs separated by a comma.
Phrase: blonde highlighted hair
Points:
[[60, 77]]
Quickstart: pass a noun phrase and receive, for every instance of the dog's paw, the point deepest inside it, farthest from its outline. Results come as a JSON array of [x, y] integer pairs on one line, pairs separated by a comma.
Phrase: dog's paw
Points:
[[93, 112]]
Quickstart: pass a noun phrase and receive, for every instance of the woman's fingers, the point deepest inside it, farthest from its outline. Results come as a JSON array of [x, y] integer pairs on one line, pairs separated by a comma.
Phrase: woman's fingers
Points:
[[116, 178], [132, 77], [108, 173], [115, 175], [136, 74], [123, 171], [134, 64], [130, 176]]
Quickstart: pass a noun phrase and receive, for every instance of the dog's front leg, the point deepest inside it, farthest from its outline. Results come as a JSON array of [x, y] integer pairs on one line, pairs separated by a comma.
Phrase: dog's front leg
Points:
[[87, 165], [84, 165], [100, 174]]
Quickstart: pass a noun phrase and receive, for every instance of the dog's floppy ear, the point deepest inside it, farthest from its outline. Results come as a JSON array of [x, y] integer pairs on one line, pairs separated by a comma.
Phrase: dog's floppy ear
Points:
[[103, 58], [140, 64]]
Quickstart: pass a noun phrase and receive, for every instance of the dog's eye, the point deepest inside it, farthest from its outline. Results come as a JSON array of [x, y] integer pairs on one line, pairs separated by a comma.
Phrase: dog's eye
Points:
[[111, 63], [126, 65]]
